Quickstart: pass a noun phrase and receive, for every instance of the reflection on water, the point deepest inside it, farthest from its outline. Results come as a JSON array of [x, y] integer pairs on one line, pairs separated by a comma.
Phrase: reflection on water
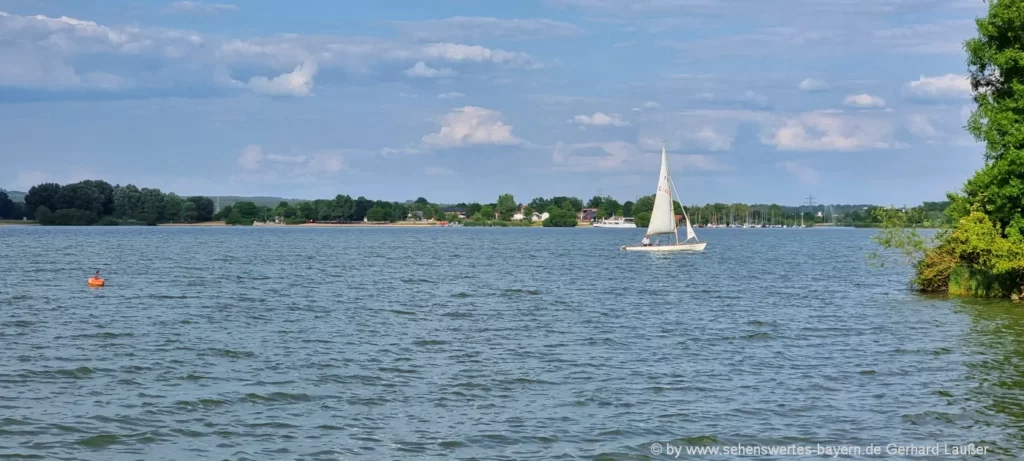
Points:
[[995, 344]]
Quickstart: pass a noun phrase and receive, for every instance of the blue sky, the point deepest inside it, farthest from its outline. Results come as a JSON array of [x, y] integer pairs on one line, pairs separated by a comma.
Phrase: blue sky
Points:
[[855, 101]]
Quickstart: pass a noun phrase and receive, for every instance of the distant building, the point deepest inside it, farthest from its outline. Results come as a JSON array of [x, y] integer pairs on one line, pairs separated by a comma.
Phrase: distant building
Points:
[[587, 215], [540, 217], [415, 216]]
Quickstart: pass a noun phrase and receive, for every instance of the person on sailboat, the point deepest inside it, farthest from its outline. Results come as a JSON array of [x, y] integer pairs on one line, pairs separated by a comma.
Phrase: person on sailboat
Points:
[[646, 241]]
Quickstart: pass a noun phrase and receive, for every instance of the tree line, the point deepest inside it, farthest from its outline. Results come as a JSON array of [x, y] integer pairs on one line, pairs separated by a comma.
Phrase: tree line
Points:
[[98, 202]]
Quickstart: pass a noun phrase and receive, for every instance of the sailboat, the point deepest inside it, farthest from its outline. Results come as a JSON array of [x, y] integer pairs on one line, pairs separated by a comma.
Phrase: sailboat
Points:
[[663, 218]]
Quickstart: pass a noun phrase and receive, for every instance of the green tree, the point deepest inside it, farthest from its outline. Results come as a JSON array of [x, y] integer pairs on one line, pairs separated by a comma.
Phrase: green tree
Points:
[[627, 209], [223, 214], [172, 207], [995, 60], [983, 254], [89, 195], [187, 213], [204, 208], [285, 210], [609, 207], [7, 208], [43, 215], [487, 211], [307, 210], [41, 195], [127, 202], [243, 214], [361, 207], [153, 202], [506, 206], [643, 204], [378, 214], [473, 208], [560, 218], [343, 208], [643, 219], [540, 204], [399, 212], [566, 203], [595, 202]]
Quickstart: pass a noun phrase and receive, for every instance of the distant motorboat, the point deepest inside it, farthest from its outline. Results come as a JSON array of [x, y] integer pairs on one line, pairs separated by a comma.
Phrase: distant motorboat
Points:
[[616, 222]]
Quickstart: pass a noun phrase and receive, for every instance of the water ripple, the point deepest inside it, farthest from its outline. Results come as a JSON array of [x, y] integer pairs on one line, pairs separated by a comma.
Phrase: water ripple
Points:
[[312, 344]]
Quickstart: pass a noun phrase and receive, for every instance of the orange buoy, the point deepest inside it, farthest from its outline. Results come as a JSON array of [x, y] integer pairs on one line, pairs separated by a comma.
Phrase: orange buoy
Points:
[[95, 282]]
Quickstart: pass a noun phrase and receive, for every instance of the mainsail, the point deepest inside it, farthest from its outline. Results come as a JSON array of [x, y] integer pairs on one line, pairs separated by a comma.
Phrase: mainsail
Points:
[[663, 217]]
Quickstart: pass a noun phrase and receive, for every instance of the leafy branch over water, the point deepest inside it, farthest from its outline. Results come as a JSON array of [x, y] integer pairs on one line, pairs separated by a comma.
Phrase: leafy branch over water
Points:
[[983, 253]]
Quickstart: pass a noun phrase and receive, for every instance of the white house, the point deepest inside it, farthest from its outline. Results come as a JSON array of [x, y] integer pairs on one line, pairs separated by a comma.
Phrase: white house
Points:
[[540, 217], [518, 216]]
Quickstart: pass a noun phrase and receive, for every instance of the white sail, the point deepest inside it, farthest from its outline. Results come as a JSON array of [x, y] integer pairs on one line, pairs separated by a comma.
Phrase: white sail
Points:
[[690, 234], [663, 217]]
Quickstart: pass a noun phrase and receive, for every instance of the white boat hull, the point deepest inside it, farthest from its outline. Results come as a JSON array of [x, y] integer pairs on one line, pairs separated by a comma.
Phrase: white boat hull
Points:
[[615, 226], [692, 246]]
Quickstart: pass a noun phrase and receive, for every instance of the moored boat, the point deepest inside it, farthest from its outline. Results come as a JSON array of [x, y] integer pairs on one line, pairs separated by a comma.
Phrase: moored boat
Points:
[[616, 222]]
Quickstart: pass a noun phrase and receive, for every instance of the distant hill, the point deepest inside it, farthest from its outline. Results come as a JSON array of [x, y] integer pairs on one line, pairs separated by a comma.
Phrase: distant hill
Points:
[[15, 195], [271, 202]]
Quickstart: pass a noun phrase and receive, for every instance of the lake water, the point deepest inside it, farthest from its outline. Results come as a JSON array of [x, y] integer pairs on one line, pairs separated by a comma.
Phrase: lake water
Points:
[[309, 344]]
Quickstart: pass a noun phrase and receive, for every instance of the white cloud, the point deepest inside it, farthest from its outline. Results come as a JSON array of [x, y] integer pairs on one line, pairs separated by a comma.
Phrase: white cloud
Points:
[[614, 156], [659, 8], [708, 138], [251, 157], [259, 166], [201, 8], [455, 52], [946, 37], [472, 126], [438, 171], [599, 119], [618, 156], [324, 163], [830, 132], [802, 172], [287, 158], [451, 95], [647, 105], [949, 86], [478, 28], [864, 100], [920, 126], [812, 85], [298, 82], [422, 70], [698, 162], [41, 52], [705, 130], [405, 150]]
